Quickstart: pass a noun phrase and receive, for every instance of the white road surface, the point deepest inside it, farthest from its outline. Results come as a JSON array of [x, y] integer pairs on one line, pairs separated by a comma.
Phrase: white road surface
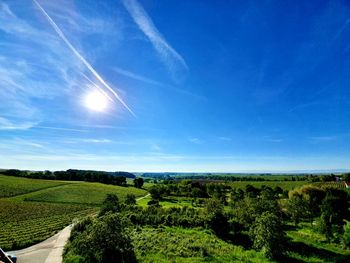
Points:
[[48, 251]]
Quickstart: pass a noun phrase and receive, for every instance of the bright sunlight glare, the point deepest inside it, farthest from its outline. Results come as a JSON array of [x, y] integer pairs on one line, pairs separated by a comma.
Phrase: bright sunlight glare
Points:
[[96, 101]]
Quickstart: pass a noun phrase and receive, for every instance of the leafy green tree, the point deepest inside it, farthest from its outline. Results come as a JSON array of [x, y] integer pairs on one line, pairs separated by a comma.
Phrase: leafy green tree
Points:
[[130, 199], [138, 182], [102, 240], [297, 208], [267, 234], [346, 235], [110, 204], [334, 209]]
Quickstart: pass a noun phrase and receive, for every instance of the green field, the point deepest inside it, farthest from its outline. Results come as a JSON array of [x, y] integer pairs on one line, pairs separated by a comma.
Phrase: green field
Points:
[[174, 244], [81, 193], [32, 210], [12, 186]]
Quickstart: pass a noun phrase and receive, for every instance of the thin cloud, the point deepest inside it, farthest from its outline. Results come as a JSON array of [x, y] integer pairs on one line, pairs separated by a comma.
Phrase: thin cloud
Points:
[[59, 129], [195, 140], [6, 124], [173, 60], [138, 77], [81, 58], [222, 138], [135, 76]]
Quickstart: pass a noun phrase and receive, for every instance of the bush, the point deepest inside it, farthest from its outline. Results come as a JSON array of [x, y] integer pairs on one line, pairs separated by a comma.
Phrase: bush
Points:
[[101, 240]]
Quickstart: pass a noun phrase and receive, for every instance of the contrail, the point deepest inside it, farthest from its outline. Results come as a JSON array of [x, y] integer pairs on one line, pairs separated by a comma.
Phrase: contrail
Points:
[[97, 87], [87, 64]]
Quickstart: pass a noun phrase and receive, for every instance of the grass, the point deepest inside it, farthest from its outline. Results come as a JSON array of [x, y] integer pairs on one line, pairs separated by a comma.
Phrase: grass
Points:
[[169, 201], [81, 193], [307, 245], [174, 244], [12, 186]]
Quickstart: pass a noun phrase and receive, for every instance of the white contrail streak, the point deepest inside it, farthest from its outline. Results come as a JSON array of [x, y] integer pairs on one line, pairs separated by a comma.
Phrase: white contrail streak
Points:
[[97, 87], [82, 59]]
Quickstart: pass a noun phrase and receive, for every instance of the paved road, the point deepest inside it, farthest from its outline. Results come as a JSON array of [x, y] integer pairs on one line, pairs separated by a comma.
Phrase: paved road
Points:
[[48, 251]]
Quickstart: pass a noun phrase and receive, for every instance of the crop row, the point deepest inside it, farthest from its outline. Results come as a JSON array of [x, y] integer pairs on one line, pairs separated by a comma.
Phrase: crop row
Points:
[[34, 222]]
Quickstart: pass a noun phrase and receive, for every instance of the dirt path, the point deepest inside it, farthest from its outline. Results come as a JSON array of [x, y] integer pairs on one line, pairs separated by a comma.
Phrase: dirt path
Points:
[[48, 251], [147, 195]]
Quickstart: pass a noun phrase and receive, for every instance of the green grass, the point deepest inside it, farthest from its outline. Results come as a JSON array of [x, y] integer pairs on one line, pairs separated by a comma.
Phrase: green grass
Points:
[[310, 246], [187, 245], [169, 201], [12, 186], [81, 193]]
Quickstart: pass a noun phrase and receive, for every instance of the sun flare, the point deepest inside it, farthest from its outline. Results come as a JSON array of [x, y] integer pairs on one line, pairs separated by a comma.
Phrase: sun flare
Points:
[[96, 101]]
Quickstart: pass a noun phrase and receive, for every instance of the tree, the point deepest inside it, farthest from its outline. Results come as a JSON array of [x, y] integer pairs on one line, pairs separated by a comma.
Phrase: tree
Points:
[[267, 234], [102, 240], [297, 208], [346, 235], [138, 182], [110, 204], [334, 209], [130, 199]]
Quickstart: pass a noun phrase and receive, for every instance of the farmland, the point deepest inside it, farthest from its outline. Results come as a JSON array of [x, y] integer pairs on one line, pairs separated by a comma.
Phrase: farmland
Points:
[[176, 222], [32, 210]]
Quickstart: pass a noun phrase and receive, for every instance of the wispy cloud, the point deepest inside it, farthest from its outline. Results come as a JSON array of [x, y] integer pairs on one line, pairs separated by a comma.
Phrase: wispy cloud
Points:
[[195, 140], [158, 84], [6, 124], [81, 58], [223, 138], [135, 76], [172, 59]]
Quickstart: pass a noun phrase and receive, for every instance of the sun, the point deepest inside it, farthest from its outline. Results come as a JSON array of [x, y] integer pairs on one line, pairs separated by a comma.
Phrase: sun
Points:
[[96, 101]]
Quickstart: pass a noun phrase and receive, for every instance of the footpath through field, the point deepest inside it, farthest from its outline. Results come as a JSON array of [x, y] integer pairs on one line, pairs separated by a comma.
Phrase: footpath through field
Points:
[[48, 251]]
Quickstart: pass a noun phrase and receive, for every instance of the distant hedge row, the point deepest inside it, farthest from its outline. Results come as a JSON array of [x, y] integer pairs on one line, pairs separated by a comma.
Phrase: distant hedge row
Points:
[[115, 178]]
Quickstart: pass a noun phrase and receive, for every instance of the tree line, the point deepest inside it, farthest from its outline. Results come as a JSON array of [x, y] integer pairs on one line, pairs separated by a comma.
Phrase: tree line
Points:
[[114, 178]]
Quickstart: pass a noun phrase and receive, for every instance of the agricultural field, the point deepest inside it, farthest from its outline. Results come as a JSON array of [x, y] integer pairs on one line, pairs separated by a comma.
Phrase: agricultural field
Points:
[[32, 210], [25, 223], [82, 193], [12, 186]]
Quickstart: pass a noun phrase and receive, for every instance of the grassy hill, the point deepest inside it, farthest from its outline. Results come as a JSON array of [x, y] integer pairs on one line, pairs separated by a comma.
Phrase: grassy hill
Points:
[[32, 210]]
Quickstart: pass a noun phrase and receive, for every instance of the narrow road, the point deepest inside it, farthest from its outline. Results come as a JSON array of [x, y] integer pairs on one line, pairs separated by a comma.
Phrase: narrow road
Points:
[[48, 251]]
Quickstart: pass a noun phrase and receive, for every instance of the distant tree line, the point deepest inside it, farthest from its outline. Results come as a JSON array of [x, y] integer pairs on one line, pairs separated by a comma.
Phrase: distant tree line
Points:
[[115, 178]]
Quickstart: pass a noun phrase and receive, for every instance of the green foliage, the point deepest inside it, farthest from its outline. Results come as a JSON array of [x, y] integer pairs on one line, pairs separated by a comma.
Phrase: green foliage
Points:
[[130, 199], [100, 240], [110, 204], [267, 234], [346, 234], [187, 245], [334, 209], [297, 208], [138, 182]]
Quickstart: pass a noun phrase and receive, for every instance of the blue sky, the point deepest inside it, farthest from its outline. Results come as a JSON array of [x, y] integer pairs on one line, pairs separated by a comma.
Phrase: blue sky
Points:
[[224, 86]]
